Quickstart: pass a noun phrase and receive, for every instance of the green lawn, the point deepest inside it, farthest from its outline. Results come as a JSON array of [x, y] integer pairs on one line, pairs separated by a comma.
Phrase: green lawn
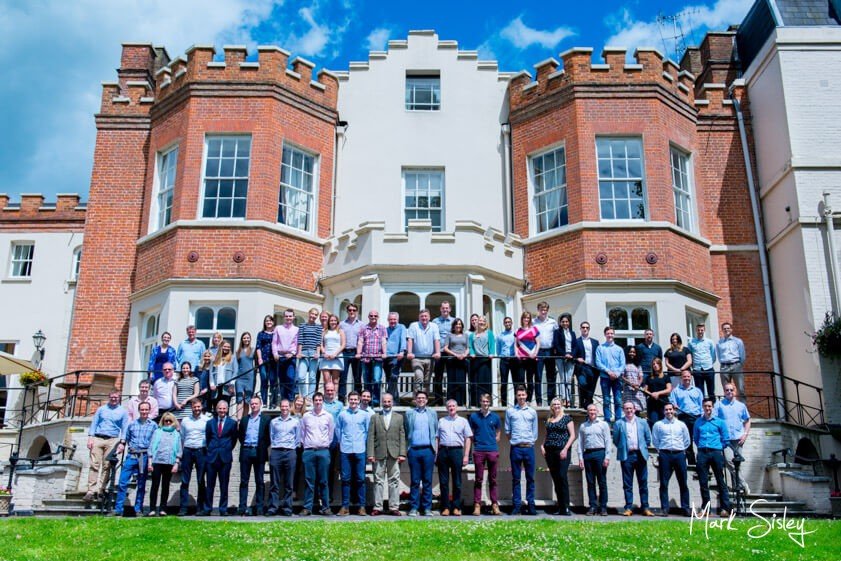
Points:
[[95, 538]]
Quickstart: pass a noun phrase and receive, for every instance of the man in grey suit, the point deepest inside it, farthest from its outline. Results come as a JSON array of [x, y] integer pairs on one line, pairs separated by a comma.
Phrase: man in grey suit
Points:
[[632, 438], [386, 451]]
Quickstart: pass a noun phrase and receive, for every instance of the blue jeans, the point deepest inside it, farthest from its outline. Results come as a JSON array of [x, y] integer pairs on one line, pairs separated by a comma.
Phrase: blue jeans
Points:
[[351, 363], [132, 465], [286, 377], [268, 376], [609, 386], [522, 459], [421, 463], [316, 467], [393, 367], [372, 375], [193, 457], [673, 462], [353, 473], [595, 472], [635, 464], [307, 374]]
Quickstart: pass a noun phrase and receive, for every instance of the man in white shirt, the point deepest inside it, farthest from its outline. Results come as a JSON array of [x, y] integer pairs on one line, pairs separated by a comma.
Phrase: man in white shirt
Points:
[[193, 440], [423, 345], [546, 327]]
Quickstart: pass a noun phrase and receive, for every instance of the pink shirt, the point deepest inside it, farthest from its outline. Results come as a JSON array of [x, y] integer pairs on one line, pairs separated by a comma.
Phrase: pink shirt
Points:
[[134, 403], [317, 429], [285, 340]]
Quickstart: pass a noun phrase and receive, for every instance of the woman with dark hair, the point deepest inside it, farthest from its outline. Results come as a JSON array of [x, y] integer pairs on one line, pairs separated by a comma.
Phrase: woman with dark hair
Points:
[[677, 358], [562, 342], [203, 372], [186, 388], [632, 380], [160, 355], [560, 434], [265, 359], [658, 387], [482, 347], [527, 349], [474, 323], [244, 383], [457, 351]]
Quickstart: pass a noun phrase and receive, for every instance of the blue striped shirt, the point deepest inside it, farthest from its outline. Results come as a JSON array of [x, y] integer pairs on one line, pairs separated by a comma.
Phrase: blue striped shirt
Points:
[[309, 336]]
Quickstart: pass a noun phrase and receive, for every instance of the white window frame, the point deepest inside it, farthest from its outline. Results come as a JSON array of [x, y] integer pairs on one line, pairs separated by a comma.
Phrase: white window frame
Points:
[[683, 188], [534, 179], [628, 178], [631, 333], [429, 209], [166, 166], [216, 307], [20, 263], [204, 177], [147, 340], [76, 264], [693, 318], [312, 200], [414, 80]]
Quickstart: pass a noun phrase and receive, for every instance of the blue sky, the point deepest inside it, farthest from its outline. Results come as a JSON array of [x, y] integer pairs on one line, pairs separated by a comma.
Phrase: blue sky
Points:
[[56, 53]]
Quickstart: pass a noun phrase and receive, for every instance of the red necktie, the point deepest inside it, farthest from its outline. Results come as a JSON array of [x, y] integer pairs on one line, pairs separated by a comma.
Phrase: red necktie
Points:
[[219, 432]]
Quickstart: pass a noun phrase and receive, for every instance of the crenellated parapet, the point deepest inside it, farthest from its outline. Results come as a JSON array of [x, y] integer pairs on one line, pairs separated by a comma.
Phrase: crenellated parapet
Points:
[[147, 75], [576, 68], [34, 211]]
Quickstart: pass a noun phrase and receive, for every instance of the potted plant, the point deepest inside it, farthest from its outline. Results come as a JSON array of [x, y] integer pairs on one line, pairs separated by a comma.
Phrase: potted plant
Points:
[[33, 379], [827, 339], [5, 500]]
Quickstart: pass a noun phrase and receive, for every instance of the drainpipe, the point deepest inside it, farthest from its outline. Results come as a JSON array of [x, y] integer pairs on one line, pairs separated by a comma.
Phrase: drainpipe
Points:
[[508, 218], [341, 127], [763, 256], [833, 260]]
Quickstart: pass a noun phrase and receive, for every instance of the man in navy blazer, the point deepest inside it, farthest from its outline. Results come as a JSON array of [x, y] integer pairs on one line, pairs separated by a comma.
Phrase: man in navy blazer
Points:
[[584, 354], [221, 438], [632, 438]]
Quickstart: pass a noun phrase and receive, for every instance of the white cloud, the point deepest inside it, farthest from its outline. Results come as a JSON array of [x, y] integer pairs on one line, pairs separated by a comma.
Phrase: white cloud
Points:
[[378, 38], [523, 36], [695, 21], [57, 53]]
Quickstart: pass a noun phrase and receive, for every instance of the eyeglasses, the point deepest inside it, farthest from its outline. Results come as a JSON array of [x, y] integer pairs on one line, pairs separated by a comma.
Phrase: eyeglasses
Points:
[[167, 369], [168, 422], [373, 315]]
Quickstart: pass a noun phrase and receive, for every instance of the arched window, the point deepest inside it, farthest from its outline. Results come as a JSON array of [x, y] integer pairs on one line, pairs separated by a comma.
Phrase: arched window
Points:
[[210, 318], [433, 302], [629, 322], [500, 311], [407, 304], [149, 336], [76, 264]]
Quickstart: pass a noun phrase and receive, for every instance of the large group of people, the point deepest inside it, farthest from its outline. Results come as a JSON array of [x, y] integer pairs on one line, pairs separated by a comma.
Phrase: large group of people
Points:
[[194, 422]]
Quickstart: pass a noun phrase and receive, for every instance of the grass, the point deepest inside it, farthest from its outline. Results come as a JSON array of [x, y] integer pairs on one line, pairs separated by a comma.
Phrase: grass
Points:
[[454, 540]]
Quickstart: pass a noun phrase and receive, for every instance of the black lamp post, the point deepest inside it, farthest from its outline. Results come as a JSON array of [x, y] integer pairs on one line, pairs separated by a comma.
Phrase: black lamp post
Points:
[[38, 340]]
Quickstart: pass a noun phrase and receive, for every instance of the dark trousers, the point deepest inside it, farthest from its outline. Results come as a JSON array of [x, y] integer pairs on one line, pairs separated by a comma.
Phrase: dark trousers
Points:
[[559, 470], [268, 378], [353, 475], [457, 380], [635, 464], [441, 366], [705, 378], [392, 368], [528, 371], [352, 364], [421, 464], [449, 467], [249, 460], [551, 374], [222, 470], [587, 380], [286, 375], [507, 366], [711, 458], [596, 473], [193, 457], [161, 476], [316, 466], [333, 467], [481, 367], [522, 460], [689, 421], [282, 466], [673, 462]]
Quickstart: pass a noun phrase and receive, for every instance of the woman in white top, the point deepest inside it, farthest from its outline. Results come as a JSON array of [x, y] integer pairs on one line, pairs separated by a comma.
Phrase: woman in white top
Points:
[[333, 341], [224, 369]]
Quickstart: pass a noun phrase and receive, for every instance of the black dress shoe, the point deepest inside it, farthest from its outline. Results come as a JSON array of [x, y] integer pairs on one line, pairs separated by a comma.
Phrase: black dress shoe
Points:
[[565, 513], [271, 512]]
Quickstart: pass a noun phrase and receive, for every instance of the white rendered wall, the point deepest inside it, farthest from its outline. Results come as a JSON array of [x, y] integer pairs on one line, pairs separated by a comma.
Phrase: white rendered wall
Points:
[[463, 138]]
